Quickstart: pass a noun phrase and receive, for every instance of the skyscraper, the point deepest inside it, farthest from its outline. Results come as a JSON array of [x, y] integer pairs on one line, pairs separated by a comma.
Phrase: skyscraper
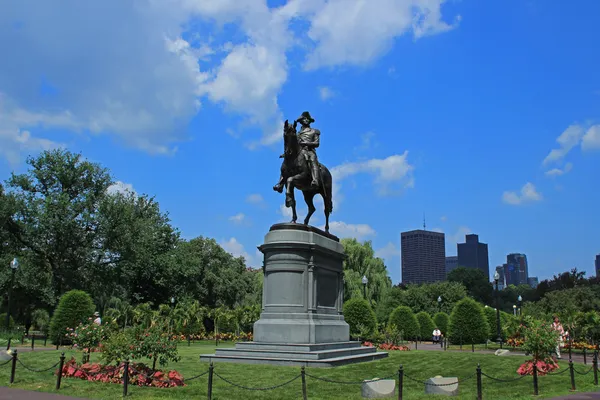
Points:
[[502, 279], [423, 256], [474, 254], [516, 269], [533, 281], [451, 264], [598, 266]]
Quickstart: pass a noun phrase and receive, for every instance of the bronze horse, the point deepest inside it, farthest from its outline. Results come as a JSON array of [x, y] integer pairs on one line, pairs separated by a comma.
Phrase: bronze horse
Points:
[[295, 174]]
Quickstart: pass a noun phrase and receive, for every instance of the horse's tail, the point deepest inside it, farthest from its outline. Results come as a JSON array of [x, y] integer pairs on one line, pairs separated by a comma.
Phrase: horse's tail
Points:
[[327, 189]]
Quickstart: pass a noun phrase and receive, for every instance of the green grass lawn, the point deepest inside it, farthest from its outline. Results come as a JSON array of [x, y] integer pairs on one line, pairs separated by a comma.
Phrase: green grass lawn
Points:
[[417, 364]]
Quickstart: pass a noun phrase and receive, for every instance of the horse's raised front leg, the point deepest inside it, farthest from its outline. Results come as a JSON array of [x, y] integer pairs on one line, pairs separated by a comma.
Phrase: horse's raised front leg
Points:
[[308, 198]]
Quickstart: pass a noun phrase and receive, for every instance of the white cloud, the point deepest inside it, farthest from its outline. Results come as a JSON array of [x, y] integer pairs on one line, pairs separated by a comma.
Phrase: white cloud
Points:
[[554, 172], [366, 141], [325, 93], [528, 194], [393, 169], [361, 31], [120, 187], [138, 70], [344, 230], [591, 139], [443, 218], [237, 250], [387, 252], [567, 140], [238, 219], [255, 198]]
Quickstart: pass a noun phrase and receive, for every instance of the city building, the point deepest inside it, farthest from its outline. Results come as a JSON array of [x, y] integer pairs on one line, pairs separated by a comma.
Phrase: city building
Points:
[[516, 270], [502, 280], [451, 264], [533, 281], [423, 256], [598, 266], [474, 254]]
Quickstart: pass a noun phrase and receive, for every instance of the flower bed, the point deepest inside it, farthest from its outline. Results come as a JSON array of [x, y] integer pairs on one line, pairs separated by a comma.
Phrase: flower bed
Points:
[[242, 337], [543, 367], [387, 346], [580, 346], [139, 374]]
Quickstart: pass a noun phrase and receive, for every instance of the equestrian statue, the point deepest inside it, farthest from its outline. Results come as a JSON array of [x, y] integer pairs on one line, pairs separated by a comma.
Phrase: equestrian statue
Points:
[[301, 169]]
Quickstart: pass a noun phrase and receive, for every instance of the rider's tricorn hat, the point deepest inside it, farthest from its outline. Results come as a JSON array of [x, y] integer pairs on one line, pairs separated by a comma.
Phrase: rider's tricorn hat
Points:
[[306, 114]]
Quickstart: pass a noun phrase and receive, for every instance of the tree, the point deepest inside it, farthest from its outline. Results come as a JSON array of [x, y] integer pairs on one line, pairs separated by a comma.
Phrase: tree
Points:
[[441, 321], [361, 318], [361, 261], [74, 307], [426, 324], [468, 323], [405, 321], [476, 283]]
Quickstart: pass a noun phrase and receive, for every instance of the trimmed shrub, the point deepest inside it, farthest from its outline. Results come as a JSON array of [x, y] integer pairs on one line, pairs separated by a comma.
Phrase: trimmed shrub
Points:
[[468, 323], [11, 322], [490, 316], [441, 321], [74, 307], [406, 322], [361, 318], [425, 325]]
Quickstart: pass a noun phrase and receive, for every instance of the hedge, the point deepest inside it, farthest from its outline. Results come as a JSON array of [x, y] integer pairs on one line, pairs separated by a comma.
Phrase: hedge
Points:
[[425, 324], [406, 322], [358, 312], [468, 323], [441, 321], [73, 308]]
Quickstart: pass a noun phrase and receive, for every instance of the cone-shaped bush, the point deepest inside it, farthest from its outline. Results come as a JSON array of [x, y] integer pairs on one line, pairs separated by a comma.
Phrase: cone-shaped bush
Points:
[[441, 321], [468, 323], [361, 318], [73, 308], [425, 325], [406, 322]]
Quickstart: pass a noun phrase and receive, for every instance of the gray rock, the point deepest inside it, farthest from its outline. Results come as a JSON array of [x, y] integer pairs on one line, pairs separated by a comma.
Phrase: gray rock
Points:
[[378, 388], [449, 388], [502, 352], [5, 355]]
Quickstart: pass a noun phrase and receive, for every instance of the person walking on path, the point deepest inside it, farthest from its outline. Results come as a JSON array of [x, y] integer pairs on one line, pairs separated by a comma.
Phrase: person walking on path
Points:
[[561, 334]]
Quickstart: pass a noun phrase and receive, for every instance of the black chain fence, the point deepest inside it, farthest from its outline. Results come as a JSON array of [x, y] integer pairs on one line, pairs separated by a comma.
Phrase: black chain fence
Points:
[[397, 376]]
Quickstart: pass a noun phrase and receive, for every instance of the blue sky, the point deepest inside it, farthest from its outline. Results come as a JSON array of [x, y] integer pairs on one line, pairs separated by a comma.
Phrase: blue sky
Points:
[[484, 116]]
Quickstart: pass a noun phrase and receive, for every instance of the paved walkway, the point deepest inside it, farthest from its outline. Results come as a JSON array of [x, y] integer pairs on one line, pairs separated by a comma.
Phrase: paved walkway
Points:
[[579, 396], [19, 394]]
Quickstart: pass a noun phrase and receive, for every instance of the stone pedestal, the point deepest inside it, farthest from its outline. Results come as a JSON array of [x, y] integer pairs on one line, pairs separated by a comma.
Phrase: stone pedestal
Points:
[[303, 292], [303, 289]]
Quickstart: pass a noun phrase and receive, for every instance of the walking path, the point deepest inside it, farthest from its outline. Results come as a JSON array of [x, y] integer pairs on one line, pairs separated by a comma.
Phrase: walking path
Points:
[[19, 394]]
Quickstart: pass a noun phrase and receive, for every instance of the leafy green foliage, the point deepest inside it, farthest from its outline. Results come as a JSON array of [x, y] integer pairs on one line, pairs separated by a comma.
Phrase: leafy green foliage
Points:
[[74, 307], [441, 321], [11, 322], [421, 298], [41, 320], [476, 283], [540, 338], [426, 324], [88, 335], [468, 323], [361, 318], [361, 261], [404, 319]]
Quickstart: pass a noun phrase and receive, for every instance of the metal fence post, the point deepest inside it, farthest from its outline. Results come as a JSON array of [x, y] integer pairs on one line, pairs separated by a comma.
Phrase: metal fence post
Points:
[[60, 370], [479, 389], [595, 367], [472, 347], [14, 366], [303, 373], [126, 378], [8, 345], [535, 380], [572, 372], [400, 381], [416, 345], [210, 380], [584, 356], [32, 342], [45, 340], [189, 340]]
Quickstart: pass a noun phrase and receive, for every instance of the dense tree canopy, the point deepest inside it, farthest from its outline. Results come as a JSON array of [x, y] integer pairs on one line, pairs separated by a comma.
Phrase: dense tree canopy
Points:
[[477, 284]]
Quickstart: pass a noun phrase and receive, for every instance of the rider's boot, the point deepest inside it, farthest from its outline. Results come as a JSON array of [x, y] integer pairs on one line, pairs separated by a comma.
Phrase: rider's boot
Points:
[[315, 174]]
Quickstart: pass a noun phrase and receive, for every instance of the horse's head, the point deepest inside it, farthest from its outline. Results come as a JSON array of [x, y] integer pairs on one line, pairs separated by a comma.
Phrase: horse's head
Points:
[[288, 129], [290, 141]]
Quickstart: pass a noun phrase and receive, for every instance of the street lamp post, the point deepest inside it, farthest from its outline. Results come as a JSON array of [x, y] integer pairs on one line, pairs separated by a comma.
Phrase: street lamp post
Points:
[[519, 302], [439, 303], [514, 310], [499, 339], [14, 265], [364, 282]]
